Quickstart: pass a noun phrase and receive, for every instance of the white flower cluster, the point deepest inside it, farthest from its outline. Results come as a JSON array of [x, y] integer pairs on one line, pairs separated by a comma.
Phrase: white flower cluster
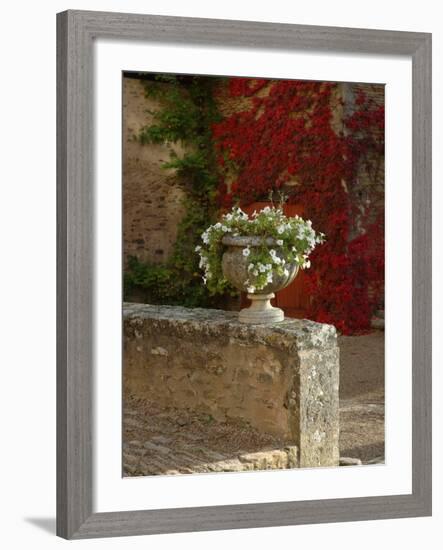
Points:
[[206, 236], [292, 241], [305, 232], [256, 269], [265, 210], [203, 263], [235, 214]]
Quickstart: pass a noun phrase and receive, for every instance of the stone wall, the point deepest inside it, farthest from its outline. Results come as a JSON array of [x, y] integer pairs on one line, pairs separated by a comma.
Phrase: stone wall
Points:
[[152, 198], [368, 190], [282, 379]]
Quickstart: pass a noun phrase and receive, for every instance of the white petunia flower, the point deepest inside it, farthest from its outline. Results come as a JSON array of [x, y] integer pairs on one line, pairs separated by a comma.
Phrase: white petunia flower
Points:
[[203, 261], [246, 252], [239, 213], [280, 242], [198, 248], [250, 267], [251, 289], [280, 229]]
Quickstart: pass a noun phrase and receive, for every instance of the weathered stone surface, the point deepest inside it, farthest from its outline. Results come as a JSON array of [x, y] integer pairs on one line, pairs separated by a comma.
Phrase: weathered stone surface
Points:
[[282, 379], [349, 461], [152, 195], [378, 323], [235, 265]]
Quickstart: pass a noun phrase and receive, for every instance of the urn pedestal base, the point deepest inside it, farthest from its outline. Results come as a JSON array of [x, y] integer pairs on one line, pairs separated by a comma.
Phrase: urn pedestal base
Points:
[[261, 311]]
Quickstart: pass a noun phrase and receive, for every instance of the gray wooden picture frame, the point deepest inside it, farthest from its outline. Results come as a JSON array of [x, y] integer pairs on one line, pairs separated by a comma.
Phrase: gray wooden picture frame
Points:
[[76, 32]]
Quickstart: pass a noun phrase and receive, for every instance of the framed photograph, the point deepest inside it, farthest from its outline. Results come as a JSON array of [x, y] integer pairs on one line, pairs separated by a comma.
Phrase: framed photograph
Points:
[[244, 274]]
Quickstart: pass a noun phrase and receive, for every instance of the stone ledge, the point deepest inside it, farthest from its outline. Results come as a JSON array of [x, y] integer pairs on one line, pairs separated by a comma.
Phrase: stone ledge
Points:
[[299, 333]]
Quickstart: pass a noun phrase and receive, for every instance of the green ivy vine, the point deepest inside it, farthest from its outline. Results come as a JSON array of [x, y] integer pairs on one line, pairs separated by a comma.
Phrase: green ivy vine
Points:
[[188, 112]]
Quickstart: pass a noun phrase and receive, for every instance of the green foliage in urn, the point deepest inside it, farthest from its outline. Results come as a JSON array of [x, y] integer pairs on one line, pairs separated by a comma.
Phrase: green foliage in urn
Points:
[[281, 241]]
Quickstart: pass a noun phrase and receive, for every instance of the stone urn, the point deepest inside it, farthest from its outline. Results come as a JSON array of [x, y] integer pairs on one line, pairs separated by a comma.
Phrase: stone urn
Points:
[[235, 269]]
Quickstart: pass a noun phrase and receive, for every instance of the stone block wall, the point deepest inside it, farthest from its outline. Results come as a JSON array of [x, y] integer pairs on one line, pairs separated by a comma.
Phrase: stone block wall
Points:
[[282, 379], [368, 190], [152, 198]]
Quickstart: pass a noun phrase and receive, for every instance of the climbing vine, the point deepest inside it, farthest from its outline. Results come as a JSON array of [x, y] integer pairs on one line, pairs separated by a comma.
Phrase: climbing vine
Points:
[[286, 138], [187, 114], [282, 135]]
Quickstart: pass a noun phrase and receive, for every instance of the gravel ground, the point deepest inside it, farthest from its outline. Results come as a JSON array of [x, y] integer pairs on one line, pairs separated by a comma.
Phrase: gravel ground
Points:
[[169, 441], [362, 397], [158, 441]]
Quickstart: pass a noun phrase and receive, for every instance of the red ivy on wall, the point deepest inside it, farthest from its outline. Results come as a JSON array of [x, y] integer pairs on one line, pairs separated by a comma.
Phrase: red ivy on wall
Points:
[[286, 138]]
